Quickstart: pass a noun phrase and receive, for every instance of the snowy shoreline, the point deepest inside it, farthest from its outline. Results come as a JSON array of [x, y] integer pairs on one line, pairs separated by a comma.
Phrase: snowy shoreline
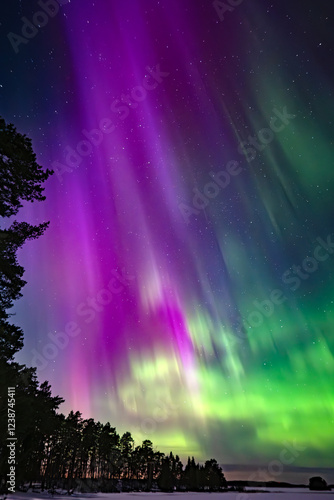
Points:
[[272, 493]]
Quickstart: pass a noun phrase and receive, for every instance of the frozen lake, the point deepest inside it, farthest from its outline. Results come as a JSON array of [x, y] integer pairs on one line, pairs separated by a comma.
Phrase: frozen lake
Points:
[[270, 494]]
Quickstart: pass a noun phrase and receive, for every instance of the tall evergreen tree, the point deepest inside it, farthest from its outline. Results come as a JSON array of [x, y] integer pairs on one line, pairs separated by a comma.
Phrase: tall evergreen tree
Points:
[[21, 179], [166, 478], [126, 444]]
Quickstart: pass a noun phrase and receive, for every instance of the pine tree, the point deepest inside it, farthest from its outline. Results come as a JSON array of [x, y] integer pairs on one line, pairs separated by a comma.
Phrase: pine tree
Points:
[[21, 179]]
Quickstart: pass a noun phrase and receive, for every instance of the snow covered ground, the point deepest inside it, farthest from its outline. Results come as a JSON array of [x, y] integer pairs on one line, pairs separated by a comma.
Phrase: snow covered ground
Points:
[[270, 494]]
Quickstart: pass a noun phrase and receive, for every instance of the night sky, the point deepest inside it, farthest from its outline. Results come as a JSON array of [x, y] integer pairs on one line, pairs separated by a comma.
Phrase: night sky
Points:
[[184, 288]]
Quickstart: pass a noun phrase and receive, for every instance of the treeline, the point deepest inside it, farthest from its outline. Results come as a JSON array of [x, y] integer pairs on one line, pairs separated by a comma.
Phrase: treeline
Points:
[[62, 452], [46, 446]]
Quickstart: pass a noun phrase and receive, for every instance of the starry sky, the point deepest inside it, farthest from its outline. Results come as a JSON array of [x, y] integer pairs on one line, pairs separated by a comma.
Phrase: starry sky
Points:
[[183, 290]]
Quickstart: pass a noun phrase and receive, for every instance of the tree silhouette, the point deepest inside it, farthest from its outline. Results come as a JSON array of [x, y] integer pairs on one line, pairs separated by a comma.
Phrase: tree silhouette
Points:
[[126, 445], [191, 475], [108, 451], [212, 476], [21, 179], [318, 483], [166, 479]]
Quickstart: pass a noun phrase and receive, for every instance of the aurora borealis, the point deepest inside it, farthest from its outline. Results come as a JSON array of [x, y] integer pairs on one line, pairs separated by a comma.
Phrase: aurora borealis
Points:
[[183, 290]]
